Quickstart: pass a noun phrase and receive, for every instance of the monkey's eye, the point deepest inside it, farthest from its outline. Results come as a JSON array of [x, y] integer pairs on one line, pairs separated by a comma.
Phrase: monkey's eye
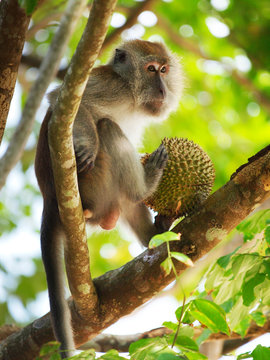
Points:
[[151, 68], [163, 69]]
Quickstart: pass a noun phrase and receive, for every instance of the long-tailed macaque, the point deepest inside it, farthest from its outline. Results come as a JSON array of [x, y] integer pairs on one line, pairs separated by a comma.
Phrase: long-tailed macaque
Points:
[[141, 83]]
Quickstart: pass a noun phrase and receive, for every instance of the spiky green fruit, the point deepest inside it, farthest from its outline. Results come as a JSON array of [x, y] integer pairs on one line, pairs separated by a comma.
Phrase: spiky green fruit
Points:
[[187, 179]]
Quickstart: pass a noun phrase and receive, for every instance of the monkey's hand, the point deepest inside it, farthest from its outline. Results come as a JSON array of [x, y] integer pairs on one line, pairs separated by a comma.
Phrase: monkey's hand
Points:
[[85, 139], [85, 160], [154, 168]]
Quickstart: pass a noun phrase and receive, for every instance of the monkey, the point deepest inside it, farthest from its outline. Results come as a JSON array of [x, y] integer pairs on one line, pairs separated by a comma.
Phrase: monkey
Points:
[[141, 83]]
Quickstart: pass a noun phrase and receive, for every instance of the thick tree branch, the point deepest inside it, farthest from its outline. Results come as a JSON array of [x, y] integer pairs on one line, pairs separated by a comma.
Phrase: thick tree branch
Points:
[[122, 290], [47, 72], [13, 26], [64, 163]]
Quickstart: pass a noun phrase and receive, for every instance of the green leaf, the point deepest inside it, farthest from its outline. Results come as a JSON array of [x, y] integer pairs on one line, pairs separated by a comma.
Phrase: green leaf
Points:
[[209, 314], [160, 239], [166, 265], [267, 234], [261, 353], [168, 356], [246, 355], [227, 305], [51, 348], [238, 315], [243, 326], [112, 355], [248, 288], [182, 258], [223, 261], [195, 356], [187, 318], [258, 317], [254, 224], [170, 325], [186, 343], [87, 355], [204, 336], [147, 349], [28, 5]]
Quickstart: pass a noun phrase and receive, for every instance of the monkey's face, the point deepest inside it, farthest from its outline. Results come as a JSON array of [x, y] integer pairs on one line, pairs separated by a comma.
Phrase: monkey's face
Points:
[[153, 74], [160, 90], [154, 90]]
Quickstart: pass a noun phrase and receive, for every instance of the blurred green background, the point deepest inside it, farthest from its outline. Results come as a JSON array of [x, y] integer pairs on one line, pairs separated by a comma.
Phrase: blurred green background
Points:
[[224, 48]]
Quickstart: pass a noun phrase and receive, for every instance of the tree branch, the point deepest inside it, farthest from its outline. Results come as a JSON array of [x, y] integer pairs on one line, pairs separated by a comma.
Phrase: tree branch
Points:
[[47, 72], [121, 343], [30, 60], [13, 27], [122, 290], [64, 163]]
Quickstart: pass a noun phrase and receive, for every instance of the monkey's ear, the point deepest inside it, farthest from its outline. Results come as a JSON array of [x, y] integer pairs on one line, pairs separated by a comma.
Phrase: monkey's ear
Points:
[[120, 56]]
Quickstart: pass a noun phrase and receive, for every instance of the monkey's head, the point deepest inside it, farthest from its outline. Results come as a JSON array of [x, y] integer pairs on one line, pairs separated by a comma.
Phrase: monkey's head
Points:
[[153, 74]]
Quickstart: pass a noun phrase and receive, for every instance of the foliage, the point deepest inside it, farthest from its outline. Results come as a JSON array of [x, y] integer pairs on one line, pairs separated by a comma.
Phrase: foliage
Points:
[[28, 5], [224, 109]]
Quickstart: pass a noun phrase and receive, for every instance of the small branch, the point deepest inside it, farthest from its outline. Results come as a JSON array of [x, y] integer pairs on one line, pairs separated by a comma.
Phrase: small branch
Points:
[[56, 16], [7, 330], [13, 27], [64, 163], [122, 290], [121, 343], [30, 60], [47, 72]]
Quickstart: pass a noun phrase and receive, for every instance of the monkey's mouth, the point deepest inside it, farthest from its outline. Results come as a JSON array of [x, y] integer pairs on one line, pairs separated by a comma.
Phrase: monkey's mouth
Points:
[[154, 106]]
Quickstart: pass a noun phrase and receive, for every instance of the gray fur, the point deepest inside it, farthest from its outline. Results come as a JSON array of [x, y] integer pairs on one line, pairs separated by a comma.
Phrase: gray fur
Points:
[[120, 99]]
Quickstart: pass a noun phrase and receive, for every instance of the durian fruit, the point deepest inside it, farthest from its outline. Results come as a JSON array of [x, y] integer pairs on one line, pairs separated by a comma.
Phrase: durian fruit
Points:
[[187, 179]]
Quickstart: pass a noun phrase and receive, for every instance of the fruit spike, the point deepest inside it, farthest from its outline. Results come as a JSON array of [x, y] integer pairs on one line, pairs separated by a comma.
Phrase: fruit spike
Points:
[[187, 179]]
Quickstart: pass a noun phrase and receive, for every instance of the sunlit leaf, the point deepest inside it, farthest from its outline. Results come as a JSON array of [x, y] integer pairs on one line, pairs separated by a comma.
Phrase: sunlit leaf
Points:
[[186, 343], [261, 353], [209, 314], [254, 224], [248, 288], [182, 258], [258, 317], [159, 239], [167, 265]]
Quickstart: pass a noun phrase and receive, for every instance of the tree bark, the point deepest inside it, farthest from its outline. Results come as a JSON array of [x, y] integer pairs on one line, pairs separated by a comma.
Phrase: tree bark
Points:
[[13, 27], [64, 163], [122, 290], [47, 72]]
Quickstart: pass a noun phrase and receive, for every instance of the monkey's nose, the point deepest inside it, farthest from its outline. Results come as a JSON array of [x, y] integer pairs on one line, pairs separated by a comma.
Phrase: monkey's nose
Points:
[[161, 93]]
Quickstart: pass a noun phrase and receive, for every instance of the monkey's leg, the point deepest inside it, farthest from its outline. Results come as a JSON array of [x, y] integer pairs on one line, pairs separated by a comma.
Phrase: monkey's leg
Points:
[[51, 233], [85, 139], [136, 181], [140, 220]]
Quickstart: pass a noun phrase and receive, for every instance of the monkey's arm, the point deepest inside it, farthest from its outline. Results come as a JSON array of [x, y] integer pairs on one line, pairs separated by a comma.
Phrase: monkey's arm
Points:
[[85, 139]]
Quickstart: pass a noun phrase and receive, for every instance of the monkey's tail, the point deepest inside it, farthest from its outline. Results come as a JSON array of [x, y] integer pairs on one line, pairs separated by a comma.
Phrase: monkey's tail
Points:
[[51, 245]]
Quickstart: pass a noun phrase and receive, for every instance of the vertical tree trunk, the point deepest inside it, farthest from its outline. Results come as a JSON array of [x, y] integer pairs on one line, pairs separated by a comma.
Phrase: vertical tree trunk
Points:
[[13, 26]]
